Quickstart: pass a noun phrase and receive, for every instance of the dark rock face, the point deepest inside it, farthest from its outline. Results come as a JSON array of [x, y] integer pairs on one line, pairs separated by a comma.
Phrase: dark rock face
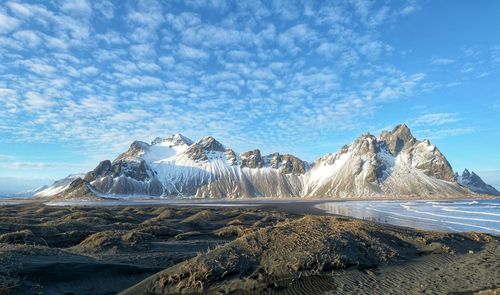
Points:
[[231, 157], [251, 159], [473, 182], [103, 169], [196, 152], [210, 144], [431, 161], [136, 148], [78, 189], [366, 146], [383, 169], [137, 170], [287, 163], [174, 140], [421, 155], [398, 139]]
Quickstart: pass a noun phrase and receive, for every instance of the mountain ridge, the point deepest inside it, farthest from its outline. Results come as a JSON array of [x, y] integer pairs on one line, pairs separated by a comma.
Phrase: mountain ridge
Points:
[[393, 164]]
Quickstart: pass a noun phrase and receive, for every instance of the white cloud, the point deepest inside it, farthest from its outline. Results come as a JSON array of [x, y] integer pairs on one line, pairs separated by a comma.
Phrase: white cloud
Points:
[[435, 119], [90, 70], [129, 116], [408, 9], [167, 61], [142, 81], [192, 53], [37, 165], [105, 7], [148, 16], [143, 50], [328, 49], [20, 9], [29, 38], [35, 101], [183, 21], [56, 43], [442, 61], [149, 67], [38, 66], [300, 33], [444, 132], [8, 23], [112, 37], [76, 7], [6, 157]]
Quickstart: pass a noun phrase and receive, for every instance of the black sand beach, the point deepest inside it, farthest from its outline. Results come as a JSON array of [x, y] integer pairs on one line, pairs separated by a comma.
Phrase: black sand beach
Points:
[[273, 248]]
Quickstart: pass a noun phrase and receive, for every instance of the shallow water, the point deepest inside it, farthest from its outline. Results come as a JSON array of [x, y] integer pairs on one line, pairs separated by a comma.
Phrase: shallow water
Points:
[[449, 216], [152, 202]]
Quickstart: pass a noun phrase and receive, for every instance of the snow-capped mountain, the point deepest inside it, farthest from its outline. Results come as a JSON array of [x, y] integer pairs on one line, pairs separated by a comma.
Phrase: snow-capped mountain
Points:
[[57, 187], [473, 182], [176, 166], [393, 165], [29, 193]]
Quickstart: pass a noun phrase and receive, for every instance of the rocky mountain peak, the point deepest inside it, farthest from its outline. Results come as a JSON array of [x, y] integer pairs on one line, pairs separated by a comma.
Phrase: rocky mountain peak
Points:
[[211, 144], [176, 139], [104, 168], [286, 163], [364, 144], [473, 182], [252, 159], [136, 149], [398, 139], [231, 157]]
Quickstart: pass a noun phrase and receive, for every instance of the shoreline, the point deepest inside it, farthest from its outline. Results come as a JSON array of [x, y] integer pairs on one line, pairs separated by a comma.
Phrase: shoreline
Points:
[[199, 201]]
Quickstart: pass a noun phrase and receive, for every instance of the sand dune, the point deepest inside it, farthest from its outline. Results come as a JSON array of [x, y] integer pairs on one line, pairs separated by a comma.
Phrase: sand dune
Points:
[[271, 249]]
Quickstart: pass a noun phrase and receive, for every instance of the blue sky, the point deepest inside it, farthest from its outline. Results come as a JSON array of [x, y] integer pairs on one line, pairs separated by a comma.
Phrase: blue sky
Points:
[[80, 80]]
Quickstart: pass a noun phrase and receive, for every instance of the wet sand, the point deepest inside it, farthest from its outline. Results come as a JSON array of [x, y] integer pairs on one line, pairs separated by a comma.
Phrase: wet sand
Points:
[[272, 248]]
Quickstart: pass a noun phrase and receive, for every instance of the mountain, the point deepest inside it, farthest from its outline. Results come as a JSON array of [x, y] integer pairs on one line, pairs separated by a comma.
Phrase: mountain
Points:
[[473, 182], [29, 193], [395, 164], [57, 187]]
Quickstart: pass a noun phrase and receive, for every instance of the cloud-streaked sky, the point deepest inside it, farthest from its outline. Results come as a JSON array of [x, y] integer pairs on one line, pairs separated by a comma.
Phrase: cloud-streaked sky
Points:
[[80, 80]]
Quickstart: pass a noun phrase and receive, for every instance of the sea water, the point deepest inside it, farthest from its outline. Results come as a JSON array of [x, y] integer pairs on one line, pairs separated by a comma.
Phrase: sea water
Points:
[[448, 216]]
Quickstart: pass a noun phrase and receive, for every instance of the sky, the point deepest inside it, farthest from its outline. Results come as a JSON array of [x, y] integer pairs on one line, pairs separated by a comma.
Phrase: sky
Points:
[[80, 80]]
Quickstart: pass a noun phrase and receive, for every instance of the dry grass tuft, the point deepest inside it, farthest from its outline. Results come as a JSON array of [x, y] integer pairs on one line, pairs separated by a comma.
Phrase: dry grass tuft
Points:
[[8, 281]]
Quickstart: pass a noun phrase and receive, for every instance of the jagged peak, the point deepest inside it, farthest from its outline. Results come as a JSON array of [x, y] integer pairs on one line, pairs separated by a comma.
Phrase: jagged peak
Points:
[[366, 136], [474, 182], [402, 126], [251, 159], [287, 163], [136, 149], [470, 174], [403, 131], [397, 139], [137, 144], [211, 144], [176, 139]]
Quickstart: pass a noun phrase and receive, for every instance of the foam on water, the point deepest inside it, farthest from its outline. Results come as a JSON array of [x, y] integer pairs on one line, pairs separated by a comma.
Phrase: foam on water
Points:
[[454, 215]]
